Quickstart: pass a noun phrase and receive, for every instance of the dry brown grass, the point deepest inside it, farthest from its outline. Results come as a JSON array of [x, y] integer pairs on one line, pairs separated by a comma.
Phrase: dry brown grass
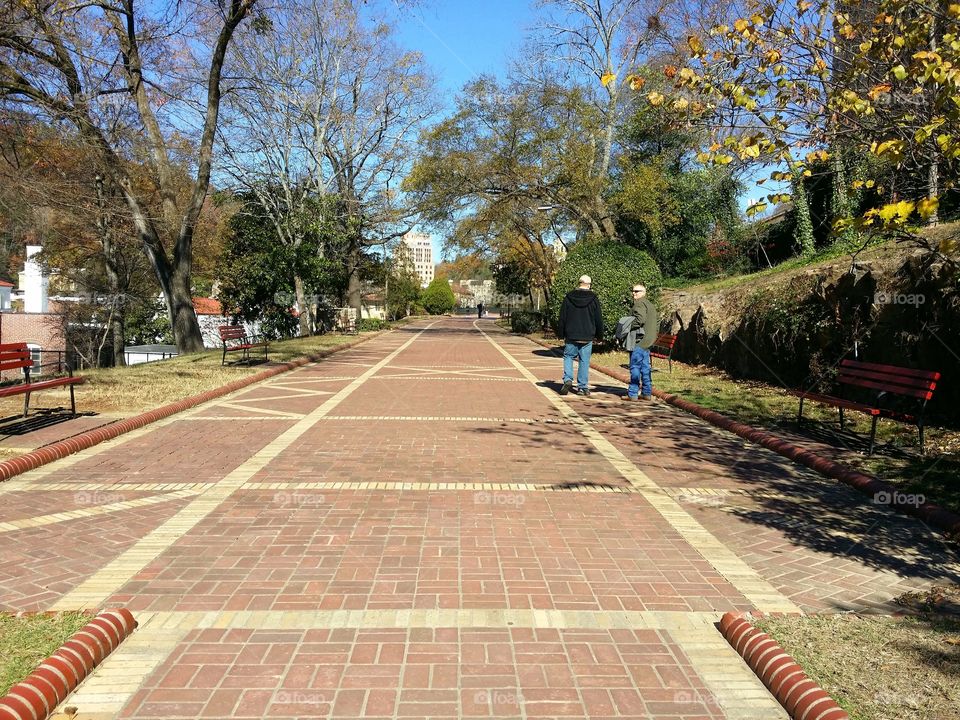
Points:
[[131, 390], [878, 668]]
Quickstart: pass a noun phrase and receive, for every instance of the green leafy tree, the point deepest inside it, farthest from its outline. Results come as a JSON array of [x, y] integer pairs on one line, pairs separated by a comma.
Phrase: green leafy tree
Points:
[[515, 159], [789, 85], [257, 271], [438, 298], [403, 291], [512, 278], [614, 268], [662, 204]]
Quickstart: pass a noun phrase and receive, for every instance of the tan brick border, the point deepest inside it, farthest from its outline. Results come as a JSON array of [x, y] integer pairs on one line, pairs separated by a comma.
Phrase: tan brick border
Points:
[[800, 696], [56, 677], [82, 441], [930, 513]]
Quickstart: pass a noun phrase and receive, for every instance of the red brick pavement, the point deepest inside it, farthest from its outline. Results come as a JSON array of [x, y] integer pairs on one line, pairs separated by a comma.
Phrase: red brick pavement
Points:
[[359, 550], [426, 672], [291, 547], [40, 565]]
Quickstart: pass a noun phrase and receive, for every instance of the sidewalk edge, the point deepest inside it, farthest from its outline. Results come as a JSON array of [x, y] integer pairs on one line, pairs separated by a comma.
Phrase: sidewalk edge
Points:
[[801, 697], [38, 695]]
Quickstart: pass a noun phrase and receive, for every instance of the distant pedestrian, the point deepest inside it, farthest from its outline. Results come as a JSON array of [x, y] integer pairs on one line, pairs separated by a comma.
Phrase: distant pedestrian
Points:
[[580, 323], [643, 334], [480, 310]]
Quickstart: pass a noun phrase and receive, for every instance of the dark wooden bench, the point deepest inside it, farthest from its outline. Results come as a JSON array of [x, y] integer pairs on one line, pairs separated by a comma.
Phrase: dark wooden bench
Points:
[[663, 348], [235, 339], [16, 356], [887, 384]]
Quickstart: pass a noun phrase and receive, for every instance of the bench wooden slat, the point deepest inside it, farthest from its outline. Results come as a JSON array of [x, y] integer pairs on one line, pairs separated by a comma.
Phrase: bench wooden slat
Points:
[[24, 388], [15, 364], [853, 376], [891, 388], [895, 384], [14, 356], [890, 369]]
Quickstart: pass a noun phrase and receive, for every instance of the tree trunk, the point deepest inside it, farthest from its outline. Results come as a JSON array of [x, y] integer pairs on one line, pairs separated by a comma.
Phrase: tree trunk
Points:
[[353, 282], [933, 172], [183, 317], [302, 307], [933, 188], [119, 340], [113, 275]]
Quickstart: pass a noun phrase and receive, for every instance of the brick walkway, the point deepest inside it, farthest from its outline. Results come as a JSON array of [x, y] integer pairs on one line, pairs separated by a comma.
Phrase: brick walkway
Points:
[[422, 527]]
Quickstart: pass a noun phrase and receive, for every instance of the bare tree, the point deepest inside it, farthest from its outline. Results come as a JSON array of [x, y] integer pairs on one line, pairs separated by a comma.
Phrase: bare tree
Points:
[[132, 79], [328, 105]]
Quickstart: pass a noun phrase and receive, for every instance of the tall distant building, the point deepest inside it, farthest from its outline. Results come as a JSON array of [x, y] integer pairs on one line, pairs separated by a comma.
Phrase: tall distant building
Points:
[[420, 254]]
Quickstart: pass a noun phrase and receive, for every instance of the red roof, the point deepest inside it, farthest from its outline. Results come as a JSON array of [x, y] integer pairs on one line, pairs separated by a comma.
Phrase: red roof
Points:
[[207, 306]]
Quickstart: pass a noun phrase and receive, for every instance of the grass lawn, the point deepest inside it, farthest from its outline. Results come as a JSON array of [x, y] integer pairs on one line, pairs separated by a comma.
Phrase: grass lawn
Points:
[[135, 389], [878, 668], [27, 641]]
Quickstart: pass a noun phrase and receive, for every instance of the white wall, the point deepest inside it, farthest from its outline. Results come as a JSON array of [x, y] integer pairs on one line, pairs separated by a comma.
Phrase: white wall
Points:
[[34, 284]]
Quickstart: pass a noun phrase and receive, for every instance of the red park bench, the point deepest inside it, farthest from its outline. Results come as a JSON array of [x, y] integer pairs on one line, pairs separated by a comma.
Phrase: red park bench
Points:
[[16, 356], [235, 339], [885, 383], [663, 348]]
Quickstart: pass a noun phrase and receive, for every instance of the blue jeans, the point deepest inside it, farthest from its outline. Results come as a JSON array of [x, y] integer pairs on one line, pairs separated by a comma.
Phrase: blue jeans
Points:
[[639, 372], [582, 351]]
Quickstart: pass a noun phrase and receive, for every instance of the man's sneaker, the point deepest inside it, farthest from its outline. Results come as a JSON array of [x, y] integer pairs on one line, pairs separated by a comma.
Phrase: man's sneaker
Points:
[[629, 398], [585, 392], [565, 388], [646, 397]]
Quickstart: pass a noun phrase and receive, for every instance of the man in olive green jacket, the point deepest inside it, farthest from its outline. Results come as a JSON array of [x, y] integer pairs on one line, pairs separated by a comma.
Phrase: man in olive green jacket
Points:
[[645, 317]]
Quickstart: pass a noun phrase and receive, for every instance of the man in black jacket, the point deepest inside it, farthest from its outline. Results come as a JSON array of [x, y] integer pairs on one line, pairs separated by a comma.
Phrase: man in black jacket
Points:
[[580, 322]]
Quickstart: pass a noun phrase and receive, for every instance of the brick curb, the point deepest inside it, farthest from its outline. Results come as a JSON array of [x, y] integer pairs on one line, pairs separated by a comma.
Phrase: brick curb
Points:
[[882, 492], [800, 696], [82, 441], [59, 675]]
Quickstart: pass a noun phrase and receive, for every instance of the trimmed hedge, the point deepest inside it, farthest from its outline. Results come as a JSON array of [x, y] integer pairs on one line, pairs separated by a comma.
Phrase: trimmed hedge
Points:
[[614, 268], [372, 324], [525, 321]]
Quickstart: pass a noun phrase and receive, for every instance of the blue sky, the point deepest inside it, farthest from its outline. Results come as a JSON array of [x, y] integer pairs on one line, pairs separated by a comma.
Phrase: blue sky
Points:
[[462, 39]]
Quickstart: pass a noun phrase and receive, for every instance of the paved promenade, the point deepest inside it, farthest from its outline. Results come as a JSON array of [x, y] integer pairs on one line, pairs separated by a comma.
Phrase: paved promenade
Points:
[[421, 527]]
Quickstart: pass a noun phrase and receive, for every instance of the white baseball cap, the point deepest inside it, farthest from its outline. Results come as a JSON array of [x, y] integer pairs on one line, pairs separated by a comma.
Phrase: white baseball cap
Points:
[[585, 280]]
